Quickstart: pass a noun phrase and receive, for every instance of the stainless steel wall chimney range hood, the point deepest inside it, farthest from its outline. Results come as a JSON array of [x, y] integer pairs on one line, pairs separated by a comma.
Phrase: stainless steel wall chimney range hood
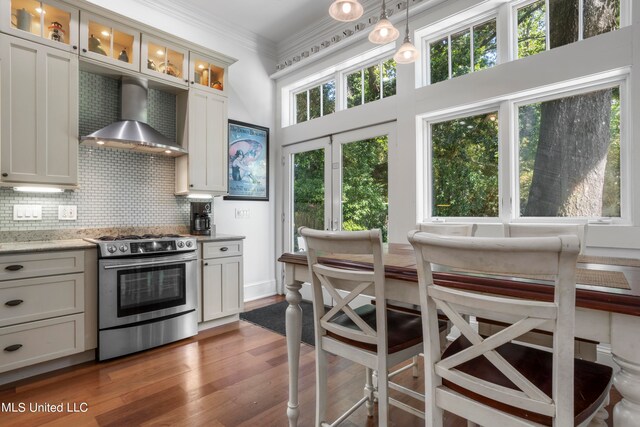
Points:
[[132, 132]]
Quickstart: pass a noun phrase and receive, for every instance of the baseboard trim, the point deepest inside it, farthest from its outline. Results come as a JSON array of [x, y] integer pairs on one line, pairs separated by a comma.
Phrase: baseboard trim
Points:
[[257, 290]]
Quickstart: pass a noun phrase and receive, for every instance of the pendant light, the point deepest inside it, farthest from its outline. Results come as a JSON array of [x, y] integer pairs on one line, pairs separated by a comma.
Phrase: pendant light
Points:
[[384, 32], [407, 52], [346, 10]]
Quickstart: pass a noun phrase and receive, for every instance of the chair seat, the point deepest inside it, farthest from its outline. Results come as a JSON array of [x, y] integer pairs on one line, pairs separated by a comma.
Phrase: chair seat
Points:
[[403, 330], [591, 380]]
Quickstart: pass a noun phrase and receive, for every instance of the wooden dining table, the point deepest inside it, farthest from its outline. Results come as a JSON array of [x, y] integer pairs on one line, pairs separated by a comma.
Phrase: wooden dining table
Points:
[[607, 309]]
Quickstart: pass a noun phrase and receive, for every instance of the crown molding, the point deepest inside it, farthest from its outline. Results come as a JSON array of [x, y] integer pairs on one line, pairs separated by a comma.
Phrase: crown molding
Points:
[[183, 11], [330, 35]]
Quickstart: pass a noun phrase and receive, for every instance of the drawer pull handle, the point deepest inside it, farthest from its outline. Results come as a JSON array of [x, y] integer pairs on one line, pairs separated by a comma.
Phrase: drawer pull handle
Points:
[[224, 249], [13, 347], [13, 302], [14, 267]]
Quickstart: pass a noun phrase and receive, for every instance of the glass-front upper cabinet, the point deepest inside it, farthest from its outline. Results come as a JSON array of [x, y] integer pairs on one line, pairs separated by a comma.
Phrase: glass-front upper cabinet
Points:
[[205, 73], [110, 42], [161, 59], [47, 22]]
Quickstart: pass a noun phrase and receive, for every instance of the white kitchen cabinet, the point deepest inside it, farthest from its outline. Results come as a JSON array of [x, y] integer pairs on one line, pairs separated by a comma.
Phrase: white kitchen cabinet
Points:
[[39, 113], [203, 132], [109, 42], [160, 58], [207, 73], [222, 280], [42, 306], [47, 22]]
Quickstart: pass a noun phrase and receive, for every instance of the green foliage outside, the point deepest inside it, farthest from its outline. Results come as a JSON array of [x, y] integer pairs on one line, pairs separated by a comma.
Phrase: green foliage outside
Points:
[[465, 167], [308, 191], [532, 35], [366, 85], [321, 101]]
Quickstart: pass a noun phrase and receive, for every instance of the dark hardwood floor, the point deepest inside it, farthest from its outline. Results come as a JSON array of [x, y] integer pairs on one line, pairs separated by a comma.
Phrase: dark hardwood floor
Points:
[[231, 377]]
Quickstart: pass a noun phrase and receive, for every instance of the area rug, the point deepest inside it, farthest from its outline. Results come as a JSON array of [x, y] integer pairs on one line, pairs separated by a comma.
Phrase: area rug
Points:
[[272, 317]]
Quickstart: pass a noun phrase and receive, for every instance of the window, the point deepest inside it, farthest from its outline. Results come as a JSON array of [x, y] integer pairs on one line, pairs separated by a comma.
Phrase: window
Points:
[[371, 83], [570, 145], [464, 158], [315, 102], [472, 49], [564, 157], [546, 24]]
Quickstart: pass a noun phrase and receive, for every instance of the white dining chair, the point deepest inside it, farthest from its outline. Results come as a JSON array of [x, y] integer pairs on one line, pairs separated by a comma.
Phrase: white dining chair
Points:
[[370, 335], [491, 380], [447, 228]]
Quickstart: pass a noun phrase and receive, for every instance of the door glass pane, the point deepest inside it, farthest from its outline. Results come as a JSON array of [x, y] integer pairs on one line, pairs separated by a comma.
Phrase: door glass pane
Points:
[[485, 47], [465, 167], [122, 46], [439, 56], [156, 55], [173, 66], [201, 72], [308, 193], [570, 156], [99, 38], [217, 77], [461, 53], [142, 290], [56, 23], [372, 83], [25, 16], [600, 17], [365, 185]]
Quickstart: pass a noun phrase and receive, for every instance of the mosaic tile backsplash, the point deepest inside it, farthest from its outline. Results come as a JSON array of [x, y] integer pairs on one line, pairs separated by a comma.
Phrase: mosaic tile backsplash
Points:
[[118, 188]]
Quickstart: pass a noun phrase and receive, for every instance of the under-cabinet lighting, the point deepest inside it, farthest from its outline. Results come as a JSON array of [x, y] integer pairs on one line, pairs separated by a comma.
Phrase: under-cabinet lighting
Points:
[[167, 151], [38, 189], [199, 196]]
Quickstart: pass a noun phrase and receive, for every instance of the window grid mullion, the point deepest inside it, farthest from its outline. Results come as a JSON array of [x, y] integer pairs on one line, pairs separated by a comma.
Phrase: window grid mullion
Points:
[[580, 20], [472, 49], [362, 87], [321, 100], [308, 107], [547, 25], [381, 83], [449, 56]]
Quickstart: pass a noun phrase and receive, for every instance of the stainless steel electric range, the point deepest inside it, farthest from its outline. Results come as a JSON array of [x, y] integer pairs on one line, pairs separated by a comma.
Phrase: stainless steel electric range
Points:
[[147, 292]]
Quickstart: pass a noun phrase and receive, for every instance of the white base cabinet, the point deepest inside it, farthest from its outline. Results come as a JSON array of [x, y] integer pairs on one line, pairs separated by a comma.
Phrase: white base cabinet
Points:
[[222, 279]]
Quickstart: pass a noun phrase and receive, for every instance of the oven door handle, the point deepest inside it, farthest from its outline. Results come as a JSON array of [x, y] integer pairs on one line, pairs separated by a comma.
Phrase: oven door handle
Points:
[[144, 264]]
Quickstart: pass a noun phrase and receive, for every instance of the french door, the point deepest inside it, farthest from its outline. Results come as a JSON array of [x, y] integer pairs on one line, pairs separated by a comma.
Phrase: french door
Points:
[[337, 183]]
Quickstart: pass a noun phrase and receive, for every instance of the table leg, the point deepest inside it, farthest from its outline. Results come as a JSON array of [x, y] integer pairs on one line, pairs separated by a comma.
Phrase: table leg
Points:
[[625, 349], [294, 334]]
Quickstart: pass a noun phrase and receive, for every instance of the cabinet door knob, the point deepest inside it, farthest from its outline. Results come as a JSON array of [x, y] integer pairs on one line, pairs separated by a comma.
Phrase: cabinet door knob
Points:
[[206, 263], [224, 249], [191, 185], [75, 47], [192, 82], [5, 174], [13, 347], [13, 302], [14, 267], [84, 50]]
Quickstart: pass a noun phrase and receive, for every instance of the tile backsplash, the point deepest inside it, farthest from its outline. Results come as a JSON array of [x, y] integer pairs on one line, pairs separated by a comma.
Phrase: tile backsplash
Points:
[[118, 188]]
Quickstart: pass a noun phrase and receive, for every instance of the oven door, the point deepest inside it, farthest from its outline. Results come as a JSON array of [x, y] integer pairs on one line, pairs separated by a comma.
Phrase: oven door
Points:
[[141, 289]]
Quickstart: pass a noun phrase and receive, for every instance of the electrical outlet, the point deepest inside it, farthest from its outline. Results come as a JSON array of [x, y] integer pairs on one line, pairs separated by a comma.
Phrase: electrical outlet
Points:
[[27, 212], [67, 212], [243, 213]]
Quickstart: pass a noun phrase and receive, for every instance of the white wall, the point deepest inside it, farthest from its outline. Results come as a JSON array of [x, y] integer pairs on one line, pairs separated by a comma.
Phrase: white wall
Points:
[[616, 50], [251, 99]]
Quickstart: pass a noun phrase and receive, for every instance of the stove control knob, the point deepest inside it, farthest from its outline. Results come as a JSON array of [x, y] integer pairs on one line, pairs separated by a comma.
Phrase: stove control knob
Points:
[[111, 249], [124, 248], [180, 243], [189, 244]]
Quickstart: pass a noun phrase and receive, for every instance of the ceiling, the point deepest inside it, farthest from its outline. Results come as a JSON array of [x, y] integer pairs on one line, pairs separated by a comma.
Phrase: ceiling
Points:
[[274, 20]]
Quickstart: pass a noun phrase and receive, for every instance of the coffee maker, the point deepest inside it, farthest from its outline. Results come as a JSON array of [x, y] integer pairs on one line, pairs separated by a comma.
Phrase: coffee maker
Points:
[[201, 218]]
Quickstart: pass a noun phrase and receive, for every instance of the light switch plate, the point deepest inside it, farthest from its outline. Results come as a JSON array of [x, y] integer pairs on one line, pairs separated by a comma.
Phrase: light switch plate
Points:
[[27, 212], [243, 213], [67, 212]]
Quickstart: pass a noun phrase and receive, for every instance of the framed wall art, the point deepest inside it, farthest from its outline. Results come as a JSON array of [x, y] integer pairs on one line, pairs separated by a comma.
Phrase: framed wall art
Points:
[[248, 162]]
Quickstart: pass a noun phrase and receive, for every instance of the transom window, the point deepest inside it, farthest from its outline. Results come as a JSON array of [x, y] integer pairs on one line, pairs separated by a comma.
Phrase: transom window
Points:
[[371, 83], [472, 48], [315, 102], [547, 24]]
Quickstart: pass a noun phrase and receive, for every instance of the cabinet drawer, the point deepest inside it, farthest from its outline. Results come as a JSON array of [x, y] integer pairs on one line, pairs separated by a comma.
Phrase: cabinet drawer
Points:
[[35, 342], [39, 298], [221, 249], [21, 266]]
